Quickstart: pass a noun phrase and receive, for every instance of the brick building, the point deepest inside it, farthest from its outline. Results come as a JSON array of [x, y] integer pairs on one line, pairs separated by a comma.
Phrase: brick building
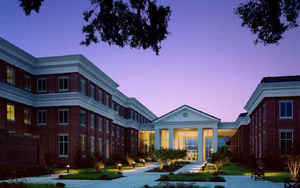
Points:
[[274, 130], [70, 104]]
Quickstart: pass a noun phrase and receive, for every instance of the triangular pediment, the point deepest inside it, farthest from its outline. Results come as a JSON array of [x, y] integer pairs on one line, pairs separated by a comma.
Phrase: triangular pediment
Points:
[[186, 113]]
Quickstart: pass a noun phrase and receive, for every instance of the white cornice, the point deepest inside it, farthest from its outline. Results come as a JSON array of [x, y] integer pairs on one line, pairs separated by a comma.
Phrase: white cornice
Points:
[[139, 107], [279, 89]]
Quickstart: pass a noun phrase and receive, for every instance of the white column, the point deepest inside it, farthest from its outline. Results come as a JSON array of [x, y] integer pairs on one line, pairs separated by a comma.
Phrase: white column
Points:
[[200, 145], [171, 138], [215, 139], [157, 139]]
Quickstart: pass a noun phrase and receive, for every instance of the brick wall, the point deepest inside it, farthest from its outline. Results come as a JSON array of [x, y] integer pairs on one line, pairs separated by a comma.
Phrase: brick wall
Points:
[[19, 151]]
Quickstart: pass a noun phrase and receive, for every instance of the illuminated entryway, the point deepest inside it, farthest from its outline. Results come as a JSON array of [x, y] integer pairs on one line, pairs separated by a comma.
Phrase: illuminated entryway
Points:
[[190, 129]]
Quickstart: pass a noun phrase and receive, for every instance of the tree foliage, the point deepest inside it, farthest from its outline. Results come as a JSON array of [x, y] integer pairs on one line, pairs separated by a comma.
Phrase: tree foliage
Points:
[[269, 19], [168, 155], [144, 23], [135, 23]]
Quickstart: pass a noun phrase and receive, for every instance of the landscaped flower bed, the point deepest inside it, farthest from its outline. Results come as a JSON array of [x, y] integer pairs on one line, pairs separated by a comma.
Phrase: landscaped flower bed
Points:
[[192, 177], [23, 185], [169, 168], [93, 175]]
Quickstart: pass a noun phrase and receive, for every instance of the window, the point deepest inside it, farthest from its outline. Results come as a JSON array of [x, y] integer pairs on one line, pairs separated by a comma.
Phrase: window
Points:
[[286, 141], [83, 86], [100, 95], [82, 118], [92, 91], [27, 84], [286, 109], [12, 133], [100, 124], [27, 116], [107, 100], [10, 75], [104, 98], [112, 131], [107, 126], [63, 83], [42, 85], [92, 144], [63, 145], [41, 117], [92, 120], [63, 116], [28, 134], [10, 110], [82, 143], [100, 150]]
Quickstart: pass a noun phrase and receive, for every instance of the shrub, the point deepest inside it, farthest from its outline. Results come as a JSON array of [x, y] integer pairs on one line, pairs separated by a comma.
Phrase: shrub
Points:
[[99, 166], [168, 156], [219, 186], [294, 166], [130, 160], [58, 184]]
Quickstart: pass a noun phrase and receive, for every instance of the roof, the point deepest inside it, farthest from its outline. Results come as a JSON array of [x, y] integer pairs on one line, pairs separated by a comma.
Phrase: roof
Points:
[[280, 79], [187, 107], [243, 114]]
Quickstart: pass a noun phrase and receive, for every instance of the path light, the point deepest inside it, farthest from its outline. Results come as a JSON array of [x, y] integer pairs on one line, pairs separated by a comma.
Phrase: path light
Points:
[[68, 168], [119, 166], [133, 164], [143, 161]]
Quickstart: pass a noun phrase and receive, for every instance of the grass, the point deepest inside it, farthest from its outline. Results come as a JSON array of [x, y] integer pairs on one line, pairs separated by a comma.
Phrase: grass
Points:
[[277, 176], [176, 186], [192, 177], [93, 175], [36, 185], [235, 169]]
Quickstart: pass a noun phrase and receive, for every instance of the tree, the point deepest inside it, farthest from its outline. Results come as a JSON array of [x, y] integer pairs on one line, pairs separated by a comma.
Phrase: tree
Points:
[[134, 23], [269, 19], [144, 23]]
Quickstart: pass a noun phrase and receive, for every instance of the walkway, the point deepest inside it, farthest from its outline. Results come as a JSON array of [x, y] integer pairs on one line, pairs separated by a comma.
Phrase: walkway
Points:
[[137, 178], [192, 168]]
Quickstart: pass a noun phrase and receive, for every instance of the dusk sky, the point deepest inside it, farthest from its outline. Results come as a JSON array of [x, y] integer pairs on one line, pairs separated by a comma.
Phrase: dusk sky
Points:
[[208, 61]]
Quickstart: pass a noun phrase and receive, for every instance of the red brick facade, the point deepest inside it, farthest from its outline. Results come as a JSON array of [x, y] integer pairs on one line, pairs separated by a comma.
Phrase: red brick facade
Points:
[[120, 138]]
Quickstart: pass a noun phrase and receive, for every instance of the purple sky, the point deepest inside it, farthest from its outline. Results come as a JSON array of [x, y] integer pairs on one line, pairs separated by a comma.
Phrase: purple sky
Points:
[[208, 61]]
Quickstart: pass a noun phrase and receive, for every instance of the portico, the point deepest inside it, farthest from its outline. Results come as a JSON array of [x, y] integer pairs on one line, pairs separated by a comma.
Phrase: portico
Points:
[[189, 129]]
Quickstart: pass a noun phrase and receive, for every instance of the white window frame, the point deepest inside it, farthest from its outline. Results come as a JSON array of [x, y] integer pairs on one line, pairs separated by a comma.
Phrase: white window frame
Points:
[[39, 90], [28, 82], [83, 89], [13, 75], [286, 117], [63, 78], [14, 107], [92, 121], [100, 145], [37, 118], [63, 155], [100, 124], [68, 116], [92, 91], [92, 146], [30, 116], [83, 145], [81, 124], [285, 131]]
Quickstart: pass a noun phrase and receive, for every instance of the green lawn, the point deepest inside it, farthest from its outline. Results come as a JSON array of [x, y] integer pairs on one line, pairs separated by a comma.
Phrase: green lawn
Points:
[[235, 169], [277, 176], [93, 175], [31, 185], [108, 168], [193, 177], [176, 186]]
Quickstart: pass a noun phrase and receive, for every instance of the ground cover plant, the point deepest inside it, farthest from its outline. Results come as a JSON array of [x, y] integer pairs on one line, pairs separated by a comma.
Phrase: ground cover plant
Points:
[[169, 168], [25, 185], [180, 185], [192, 177]]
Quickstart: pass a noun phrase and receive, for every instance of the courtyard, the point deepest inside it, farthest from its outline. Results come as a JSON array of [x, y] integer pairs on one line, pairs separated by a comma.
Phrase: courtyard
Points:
[[139, 177]]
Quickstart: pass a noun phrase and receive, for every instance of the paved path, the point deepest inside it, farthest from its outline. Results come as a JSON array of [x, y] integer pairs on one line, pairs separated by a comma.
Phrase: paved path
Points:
[[137, 178], [193, 168]]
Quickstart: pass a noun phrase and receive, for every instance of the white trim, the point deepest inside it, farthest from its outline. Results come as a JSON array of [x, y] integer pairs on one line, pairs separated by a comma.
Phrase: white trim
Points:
[[273, 89], [286, 117], [63, 134]]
